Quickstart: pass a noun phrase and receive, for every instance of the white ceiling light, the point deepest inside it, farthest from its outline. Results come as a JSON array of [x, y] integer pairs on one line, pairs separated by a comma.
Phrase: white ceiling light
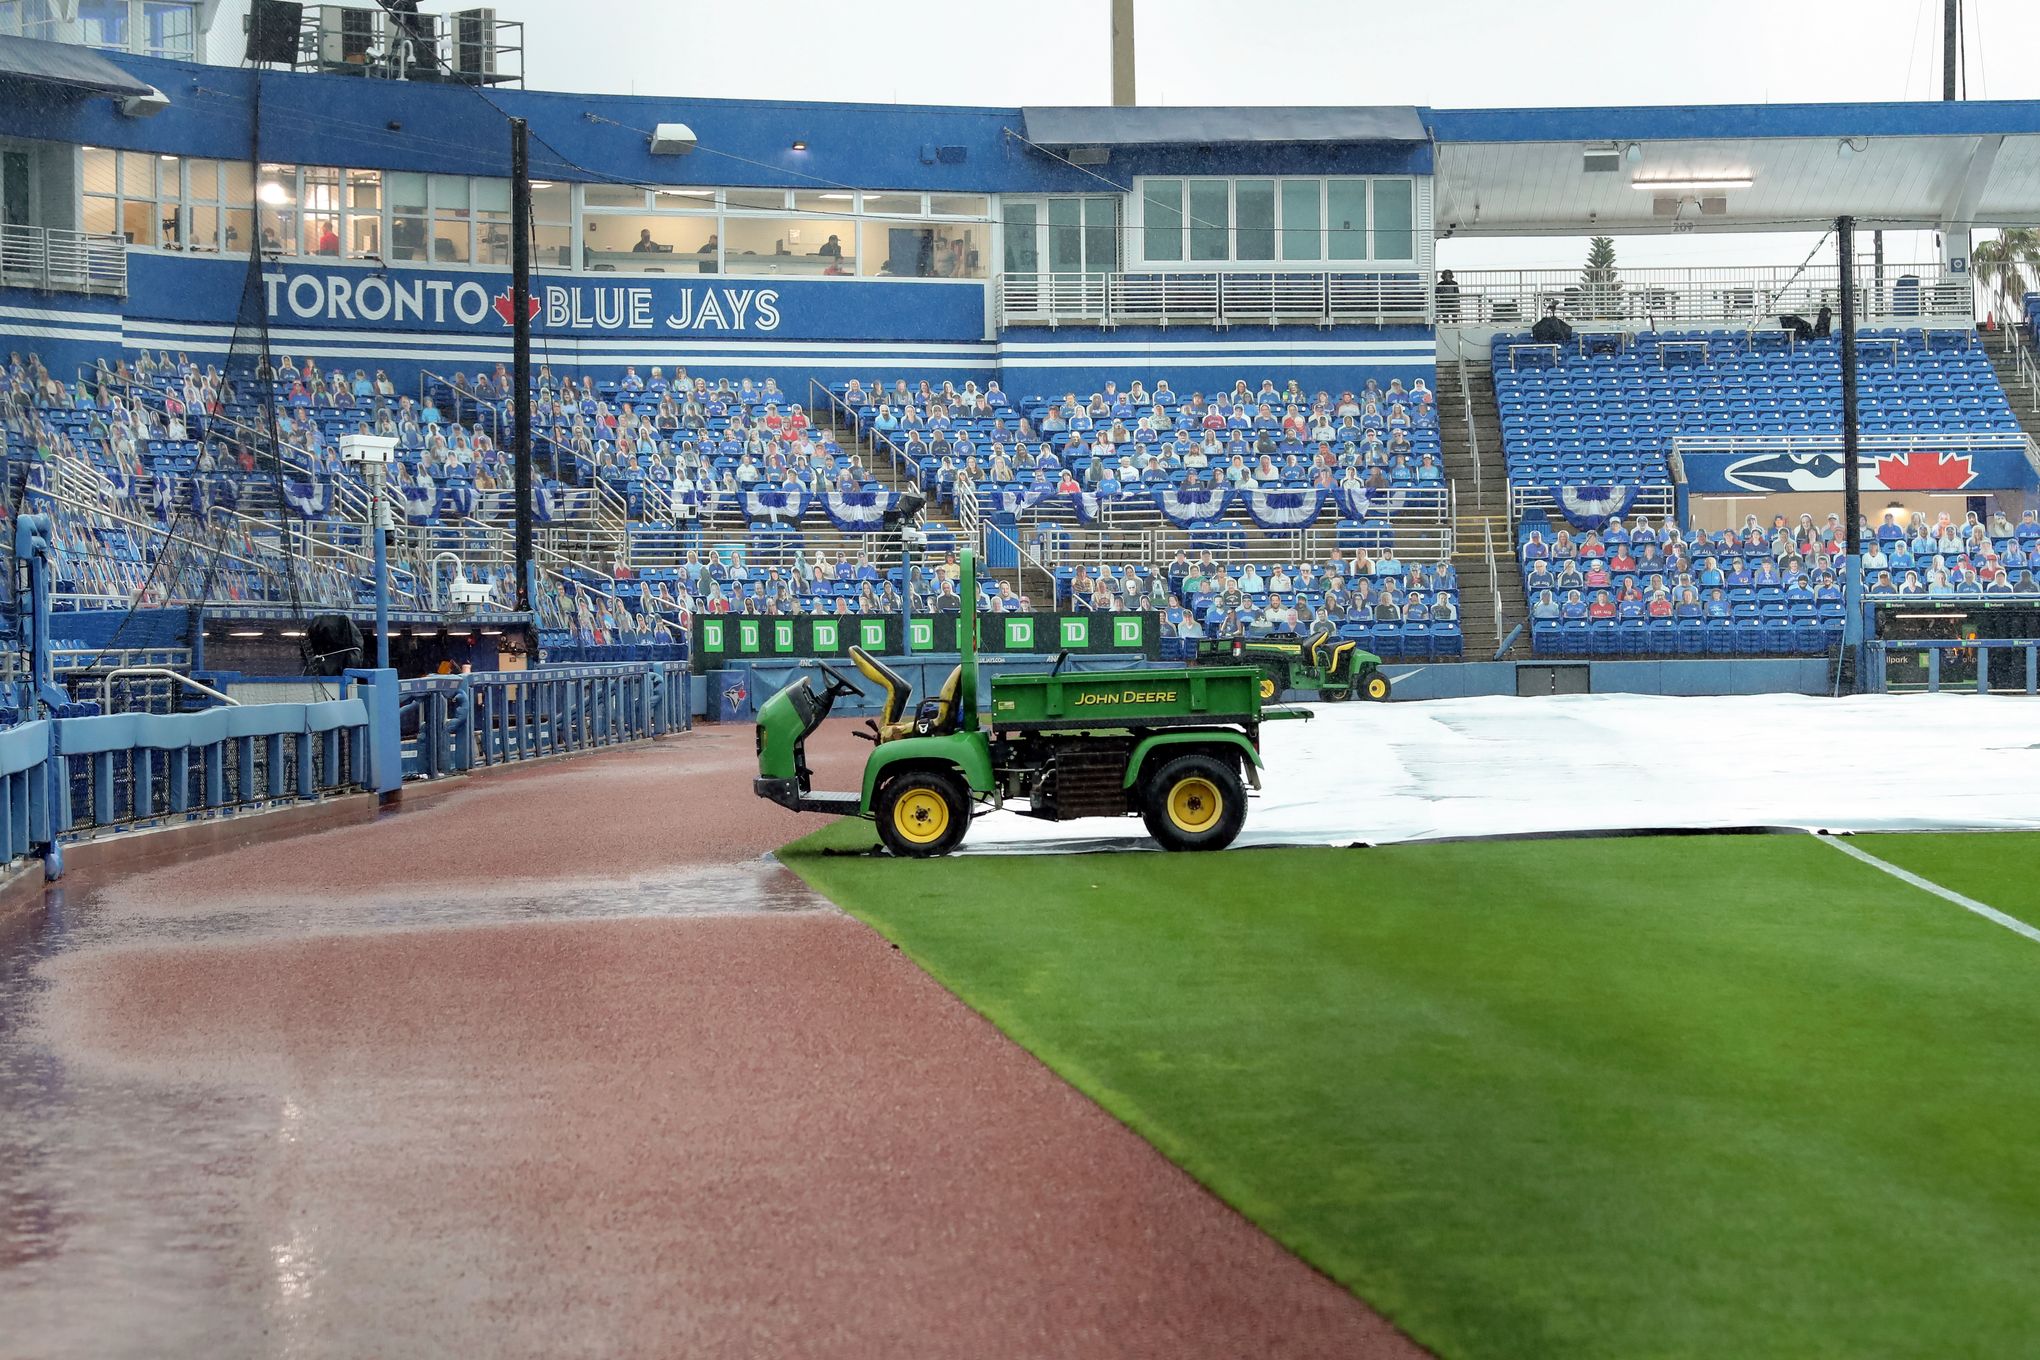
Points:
[[1851, 146], [1692, 184], [273, 193], [1633, 152]]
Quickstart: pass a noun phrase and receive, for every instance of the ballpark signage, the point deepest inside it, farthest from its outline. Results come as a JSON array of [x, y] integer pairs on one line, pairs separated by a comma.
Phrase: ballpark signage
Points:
[[337, 296], [726, 638], [1974, 470]]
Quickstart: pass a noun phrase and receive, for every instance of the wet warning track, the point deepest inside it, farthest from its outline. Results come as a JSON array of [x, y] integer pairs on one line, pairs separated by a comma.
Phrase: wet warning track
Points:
[[554, 1065]]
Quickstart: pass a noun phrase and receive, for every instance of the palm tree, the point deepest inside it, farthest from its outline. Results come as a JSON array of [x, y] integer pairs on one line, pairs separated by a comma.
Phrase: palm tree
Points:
[[2005, 268]]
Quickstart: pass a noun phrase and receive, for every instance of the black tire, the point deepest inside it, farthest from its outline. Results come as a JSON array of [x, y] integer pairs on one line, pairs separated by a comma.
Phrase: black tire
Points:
[[1176, 802], [922, 813], [1337, 696], [1271, 687], [1376, 688]]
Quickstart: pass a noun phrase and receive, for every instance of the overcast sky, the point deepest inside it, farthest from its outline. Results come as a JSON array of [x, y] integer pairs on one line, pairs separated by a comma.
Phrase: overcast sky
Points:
[[1443, 54]]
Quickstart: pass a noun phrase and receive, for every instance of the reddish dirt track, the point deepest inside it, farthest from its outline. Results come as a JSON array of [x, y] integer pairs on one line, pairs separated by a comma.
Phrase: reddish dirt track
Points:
[[755, 1133]]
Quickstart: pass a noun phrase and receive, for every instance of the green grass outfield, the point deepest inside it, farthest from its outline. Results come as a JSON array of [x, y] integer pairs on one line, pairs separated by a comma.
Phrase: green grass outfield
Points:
[[1630, 1097]]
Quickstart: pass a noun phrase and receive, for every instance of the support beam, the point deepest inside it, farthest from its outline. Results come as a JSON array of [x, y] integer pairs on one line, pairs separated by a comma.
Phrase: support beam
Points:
[[1951, 47], [520, 349], [1122, 54], [1852, 474]]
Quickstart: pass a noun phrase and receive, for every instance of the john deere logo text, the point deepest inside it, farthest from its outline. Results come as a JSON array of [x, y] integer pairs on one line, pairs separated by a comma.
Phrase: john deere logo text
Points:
[[1129, 696]]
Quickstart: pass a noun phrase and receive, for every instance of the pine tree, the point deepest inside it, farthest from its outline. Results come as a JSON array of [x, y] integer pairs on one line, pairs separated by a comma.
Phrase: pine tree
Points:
[[1600, 286]]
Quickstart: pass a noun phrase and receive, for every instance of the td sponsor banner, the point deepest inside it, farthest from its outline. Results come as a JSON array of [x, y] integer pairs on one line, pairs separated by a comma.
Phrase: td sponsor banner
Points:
[[720, 638]]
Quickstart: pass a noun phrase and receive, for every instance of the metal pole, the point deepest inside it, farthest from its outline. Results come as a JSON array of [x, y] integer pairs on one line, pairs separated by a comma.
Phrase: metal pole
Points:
[[1852, 490], [1951, 46], [906, 593], [1122, 53], [379, 482], [520, 347]]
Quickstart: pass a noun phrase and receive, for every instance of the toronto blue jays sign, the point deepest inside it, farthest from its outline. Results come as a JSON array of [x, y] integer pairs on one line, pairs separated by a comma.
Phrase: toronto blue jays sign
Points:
[[363, 296]]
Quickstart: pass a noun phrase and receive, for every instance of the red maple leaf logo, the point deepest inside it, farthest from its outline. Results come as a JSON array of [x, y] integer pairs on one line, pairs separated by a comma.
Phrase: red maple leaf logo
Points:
[[507, 310], [1926, 471]]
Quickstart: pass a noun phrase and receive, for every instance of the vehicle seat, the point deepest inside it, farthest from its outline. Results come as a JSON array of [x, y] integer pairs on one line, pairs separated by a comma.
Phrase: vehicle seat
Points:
[[1313, 647], [897, 692], [947, 708]]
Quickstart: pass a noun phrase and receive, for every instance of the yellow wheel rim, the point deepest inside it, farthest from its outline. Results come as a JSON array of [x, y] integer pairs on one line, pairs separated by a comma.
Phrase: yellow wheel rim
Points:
[[1267, 688], [921, 816], [1376, 687], [1195, 805]]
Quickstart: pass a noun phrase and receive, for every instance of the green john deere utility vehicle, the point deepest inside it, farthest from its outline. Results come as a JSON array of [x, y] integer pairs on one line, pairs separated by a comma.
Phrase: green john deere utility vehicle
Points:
[[1323, 663], [1177, 747]]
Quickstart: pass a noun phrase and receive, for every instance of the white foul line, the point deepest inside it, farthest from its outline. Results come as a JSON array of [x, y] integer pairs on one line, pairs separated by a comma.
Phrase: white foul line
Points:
[[2011, 923]]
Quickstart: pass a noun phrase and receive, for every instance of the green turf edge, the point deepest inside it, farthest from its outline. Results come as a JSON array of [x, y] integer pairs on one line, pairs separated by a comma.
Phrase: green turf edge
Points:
[[813, 856], [1961, 862], [1414, 1313]]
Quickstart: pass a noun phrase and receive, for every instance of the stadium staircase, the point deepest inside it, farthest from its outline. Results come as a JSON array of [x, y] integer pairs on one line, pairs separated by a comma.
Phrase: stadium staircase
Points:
[[2012, 354], [1468, 419]]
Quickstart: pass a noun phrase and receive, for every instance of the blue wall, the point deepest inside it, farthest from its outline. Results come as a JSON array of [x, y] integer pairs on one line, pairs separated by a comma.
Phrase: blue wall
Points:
[[340, 120], [66, 330], [405, 320]]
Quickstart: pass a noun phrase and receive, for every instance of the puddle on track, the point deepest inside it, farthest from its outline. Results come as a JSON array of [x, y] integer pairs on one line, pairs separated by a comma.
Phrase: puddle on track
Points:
[[122, 1226]]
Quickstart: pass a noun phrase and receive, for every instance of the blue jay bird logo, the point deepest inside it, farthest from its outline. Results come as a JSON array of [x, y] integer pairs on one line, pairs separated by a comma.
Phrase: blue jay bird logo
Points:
[[734, 695]]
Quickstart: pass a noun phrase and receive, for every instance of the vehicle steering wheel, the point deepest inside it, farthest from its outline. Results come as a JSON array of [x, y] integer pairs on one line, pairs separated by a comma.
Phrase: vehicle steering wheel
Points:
[[836, 686]]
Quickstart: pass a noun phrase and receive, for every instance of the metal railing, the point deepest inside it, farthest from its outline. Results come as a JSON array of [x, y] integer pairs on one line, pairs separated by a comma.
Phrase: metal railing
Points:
[[156, 673], [459, 723], [1178, 298], [1487, 542], [2027, 370], [1472, 434], [55, 260], [473, 47], [1066, 547], [66, 778], [1916, 293]]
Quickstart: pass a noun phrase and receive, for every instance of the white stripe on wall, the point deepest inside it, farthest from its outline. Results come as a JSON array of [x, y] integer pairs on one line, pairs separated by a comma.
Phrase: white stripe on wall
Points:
[[281, 336], [1140, 362], [1424, 346]]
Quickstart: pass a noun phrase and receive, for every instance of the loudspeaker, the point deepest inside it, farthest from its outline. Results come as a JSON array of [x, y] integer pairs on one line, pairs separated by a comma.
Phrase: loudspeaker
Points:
[[273, 31]]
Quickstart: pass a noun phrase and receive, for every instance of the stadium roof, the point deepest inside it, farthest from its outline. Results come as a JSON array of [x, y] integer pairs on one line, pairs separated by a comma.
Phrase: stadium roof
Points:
[[33, 61], [1763, 167], [1151, 125]]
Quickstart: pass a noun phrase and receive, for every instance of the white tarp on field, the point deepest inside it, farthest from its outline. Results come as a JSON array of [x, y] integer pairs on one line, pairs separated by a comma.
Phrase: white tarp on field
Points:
[[1377, 773]]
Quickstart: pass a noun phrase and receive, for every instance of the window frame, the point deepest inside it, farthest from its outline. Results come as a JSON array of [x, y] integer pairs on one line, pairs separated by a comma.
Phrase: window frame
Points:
[[1278, 260]]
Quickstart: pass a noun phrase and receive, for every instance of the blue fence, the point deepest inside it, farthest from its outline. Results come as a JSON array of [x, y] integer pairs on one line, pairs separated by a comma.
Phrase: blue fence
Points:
[[456, 723], [1987, 665], [65, 778]]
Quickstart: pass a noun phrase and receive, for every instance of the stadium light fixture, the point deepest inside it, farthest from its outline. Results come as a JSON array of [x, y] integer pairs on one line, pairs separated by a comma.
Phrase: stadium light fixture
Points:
[[1693, 184], [800, 144]]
